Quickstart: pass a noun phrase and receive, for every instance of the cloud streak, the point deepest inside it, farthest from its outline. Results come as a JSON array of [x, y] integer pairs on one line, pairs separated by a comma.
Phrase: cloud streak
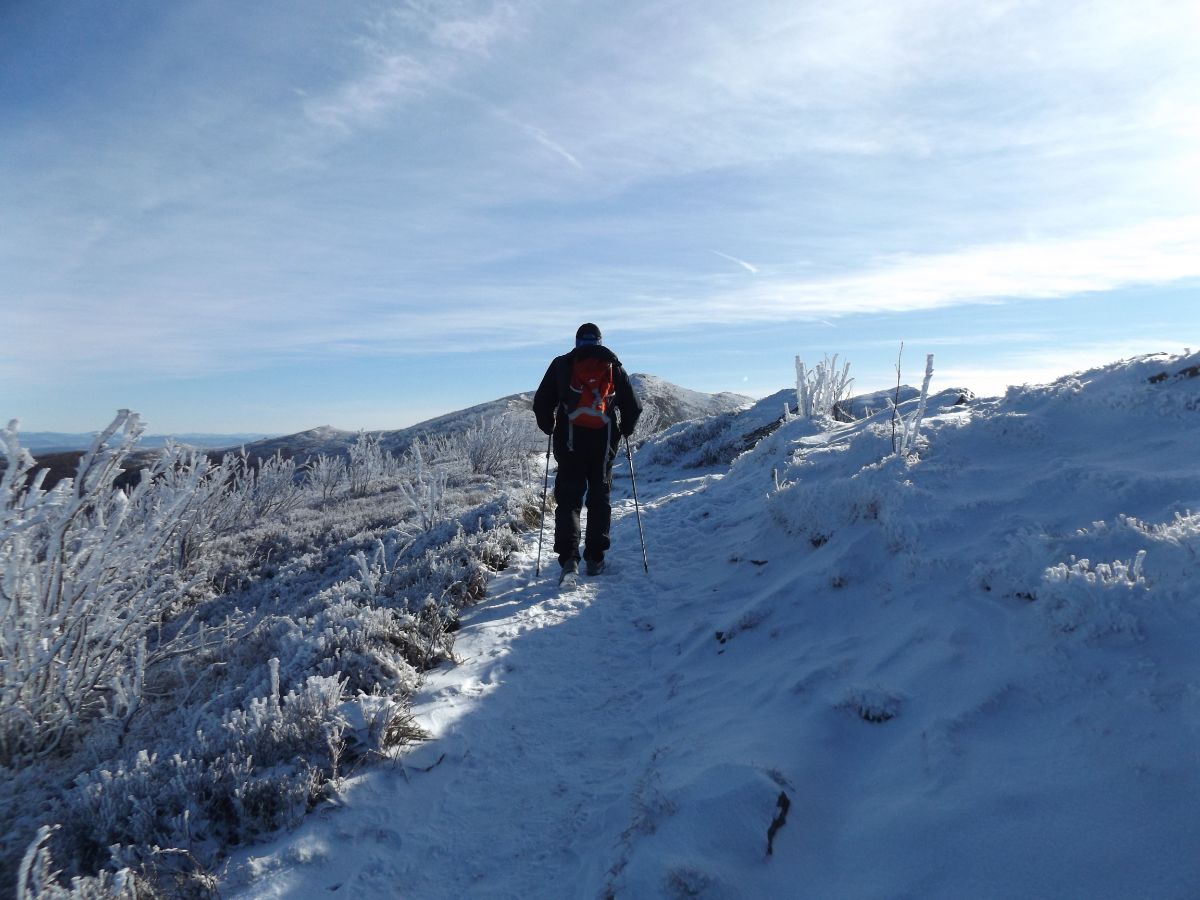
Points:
[[753, 270]]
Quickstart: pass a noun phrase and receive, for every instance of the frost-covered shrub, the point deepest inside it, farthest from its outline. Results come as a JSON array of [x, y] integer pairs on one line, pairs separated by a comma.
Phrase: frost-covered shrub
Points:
[[872, 703], [279, 727], [87, 584], [1096, 600], [377, 648], [424, 486], [716, 440], [368, 463], [1183, 531], [38, 878], [1092, 599], [498, 446], [324, 475], [818, 390], [705, 442], [456, 565], [271, 488], [816, 508]]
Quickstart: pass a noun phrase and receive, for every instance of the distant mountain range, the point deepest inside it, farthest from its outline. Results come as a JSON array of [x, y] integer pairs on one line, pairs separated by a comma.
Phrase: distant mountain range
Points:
[[37, 442], [663, 403]]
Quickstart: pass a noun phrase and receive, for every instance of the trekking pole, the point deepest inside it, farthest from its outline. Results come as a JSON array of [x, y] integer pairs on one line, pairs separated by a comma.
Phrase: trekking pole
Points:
[[545, 489], [636, 507]]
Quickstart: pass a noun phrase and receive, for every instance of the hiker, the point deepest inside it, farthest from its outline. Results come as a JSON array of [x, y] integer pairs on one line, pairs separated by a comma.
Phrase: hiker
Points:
[[587, 402]]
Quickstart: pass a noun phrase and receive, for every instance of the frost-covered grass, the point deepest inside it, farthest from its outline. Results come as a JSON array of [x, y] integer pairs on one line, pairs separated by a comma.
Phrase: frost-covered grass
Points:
[[189, 663]]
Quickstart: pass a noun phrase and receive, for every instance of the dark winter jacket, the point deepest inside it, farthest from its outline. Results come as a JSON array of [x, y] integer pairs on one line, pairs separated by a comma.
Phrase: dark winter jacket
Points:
[[552, 395]]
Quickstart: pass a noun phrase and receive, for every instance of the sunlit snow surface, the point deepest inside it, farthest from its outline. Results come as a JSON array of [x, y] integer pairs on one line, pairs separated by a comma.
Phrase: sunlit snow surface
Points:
[[972, 674]]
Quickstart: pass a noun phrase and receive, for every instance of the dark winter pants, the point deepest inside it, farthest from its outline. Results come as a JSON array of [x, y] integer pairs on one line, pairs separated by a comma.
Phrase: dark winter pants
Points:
[[584, 471]]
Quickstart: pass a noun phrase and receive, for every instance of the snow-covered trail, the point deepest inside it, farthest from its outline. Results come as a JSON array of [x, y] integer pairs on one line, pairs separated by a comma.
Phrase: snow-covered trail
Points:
[[543, 735]]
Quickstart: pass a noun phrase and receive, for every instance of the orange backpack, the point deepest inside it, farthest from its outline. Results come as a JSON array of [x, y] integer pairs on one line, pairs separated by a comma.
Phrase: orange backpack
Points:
[[591, 393]]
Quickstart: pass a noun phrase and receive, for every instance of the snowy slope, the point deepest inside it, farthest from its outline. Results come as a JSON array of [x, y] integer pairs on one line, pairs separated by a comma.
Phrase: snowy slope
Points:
[[971, 674]]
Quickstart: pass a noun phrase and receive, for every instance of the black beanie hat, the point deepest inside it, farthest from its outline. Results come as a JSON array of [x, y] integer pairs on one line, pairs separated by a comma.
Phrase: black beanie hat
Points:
[[587, 335]]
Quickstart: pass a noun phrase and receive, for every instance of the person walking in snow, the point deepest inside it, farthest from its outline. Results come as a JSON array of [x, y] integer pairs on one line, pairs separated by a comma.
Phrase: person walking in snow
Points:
[[588, 404]]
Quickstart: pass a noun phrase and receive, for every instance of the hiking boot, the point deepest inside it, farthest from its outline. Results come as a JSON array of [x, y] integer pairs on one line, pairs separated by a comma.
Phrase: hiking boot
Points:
[[595, 566], [570, 570]]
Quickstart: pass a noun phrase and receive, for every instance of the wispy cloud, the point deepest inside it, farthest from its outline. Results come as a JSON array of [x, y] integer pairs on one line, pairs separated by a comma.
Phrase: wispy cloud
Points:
[[753, 270], [424, 48], [418, 46], [467, 29], [389, 79]]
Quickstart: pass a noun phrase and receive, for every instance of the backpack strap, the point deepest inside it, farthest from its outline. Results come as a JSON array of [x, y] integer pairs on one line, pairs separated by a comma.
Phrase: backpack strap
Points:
[[562, 377], [562, 381]]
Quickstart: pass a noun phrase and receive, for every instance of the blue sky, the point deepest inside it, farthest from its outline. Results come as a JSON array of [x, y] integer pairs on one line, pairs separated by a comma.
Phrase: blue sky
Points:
[[270, 216]]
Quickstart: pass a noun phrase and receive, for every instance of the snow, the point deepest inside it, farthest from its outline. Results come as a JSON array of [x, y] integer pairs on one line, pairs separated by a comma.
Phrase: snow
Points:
[[971, 672]]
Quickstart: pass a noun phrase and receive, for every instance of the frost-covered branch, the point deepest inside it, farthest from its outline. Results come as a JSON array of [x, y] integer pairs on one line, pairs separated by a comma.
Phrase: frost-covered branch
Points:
[[912, 424]]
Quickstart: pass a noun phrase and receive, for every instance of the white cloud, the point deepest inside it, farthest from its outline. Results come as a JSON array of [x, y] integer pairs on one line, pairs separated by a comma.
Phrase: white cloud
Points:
[[1152, 253]]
